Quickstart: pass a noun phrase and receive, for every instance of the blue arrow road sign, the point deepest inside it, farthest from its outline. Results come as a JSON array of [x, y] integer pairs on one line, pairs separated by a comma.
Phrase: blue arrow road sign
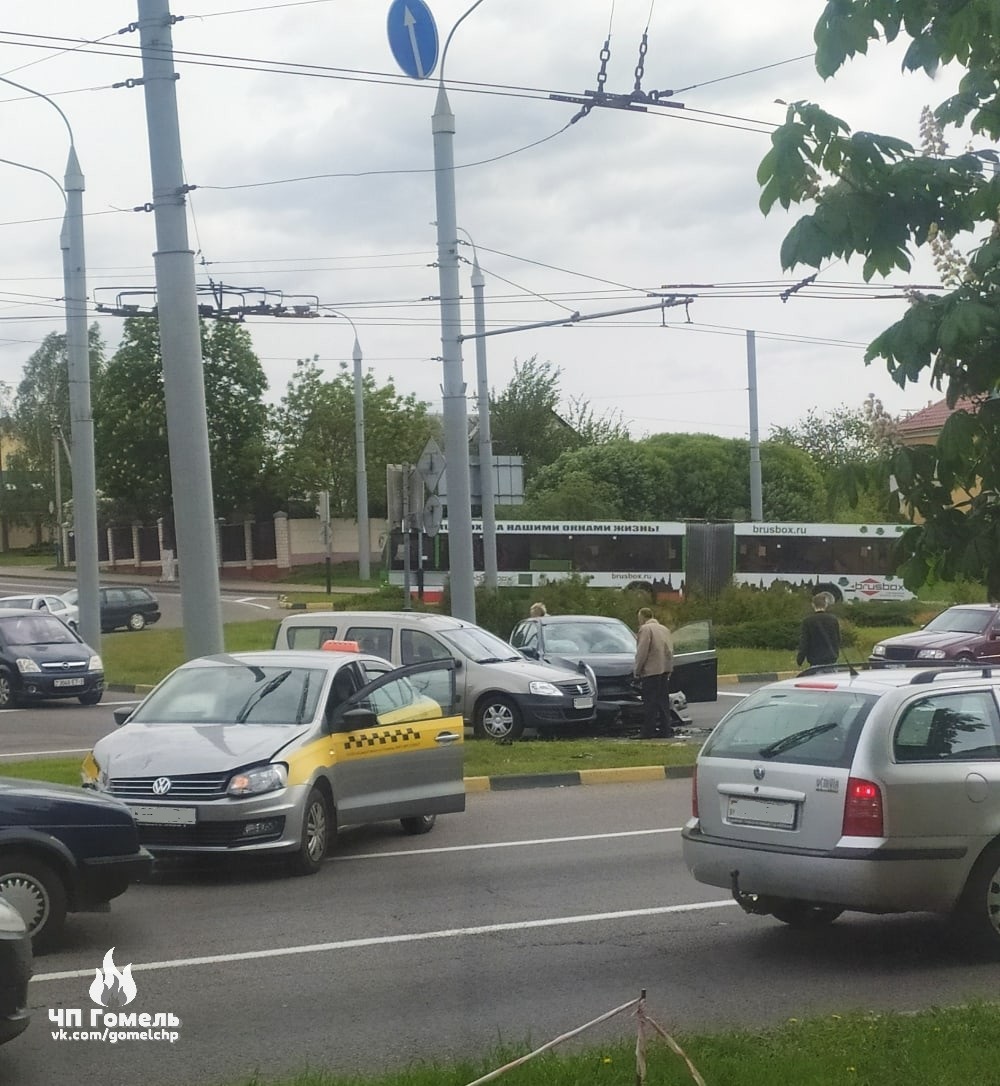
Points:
[[413, 37]]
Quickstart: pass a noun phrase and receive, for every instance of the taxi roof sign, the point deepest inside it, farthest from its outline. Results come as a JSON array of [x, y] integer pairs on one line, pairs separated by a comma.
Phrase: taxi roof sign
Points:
[[341, 646]]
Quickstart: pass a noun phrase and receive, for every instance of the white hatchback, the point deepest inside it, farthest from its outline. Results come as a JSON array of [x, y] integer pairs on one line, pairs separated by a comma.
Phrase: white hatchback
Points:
[[837, 790]]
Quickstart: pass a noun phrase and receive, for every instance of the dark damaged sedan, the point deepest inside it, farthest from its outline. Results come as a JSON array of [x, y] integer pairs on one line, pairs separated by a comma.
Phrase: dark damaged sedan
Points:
[[605, 648], [64, 849]]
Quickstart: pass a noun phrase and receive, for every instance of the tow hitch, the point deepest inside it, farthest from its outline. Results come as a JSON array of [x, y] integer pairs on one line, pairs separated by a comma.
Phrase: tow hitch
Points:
[[749, 903]]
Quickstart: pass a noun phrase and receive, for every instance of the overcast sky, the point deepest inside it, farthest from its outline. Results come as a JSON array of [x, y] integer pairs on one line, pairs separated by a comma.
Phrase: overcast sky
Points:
[[312, 158]]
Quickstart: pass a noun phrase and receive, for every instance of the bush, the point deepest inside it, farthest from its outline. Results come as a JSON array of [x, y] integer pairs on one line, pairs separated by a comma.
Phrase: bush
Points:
[[882, 612]]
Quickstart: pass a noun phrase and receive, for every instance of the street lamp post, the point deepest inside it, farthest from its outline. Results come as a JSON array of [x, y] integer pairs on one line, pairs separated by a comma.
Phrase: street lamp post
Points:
[[82, 467]]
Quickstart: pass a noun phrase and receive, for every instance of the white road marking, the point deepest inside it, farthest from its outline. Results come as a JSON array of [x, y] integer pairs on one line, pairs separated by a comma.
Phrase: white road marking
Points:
[[730, 694], [501, 844], [248, 600], [389, 940]]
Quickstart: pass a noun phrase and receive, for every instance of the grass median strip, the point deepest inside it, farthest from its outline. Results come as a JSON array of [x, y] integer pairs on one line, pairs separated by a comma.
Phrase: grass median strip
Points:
[[587, 759]]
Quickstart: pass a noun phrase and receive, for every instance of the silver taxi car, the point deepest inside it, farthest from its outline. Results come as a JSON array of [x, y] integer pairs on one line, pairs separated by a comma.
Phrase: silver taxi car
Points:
[[272, 751], [874, 791]]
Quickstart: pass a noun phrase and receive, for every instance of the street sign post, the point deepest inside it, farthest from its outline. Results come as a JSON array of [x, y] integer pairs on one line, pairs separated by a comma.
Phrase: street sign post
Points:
[[413, 37]]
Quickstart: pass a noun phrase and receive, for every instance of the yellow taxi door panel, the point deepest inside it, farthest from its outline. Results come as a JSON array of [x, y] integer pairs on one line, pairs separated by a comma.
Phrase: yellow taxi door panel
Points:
[[396, 751]]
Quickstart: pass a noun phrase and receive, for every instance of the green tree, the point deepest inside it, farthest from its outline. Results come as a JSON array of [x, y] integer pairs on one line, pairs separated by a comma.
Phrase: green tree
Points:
[[315, 431], [853, 448], [41, 405], [527, 419], [37, 421], [130, 423], [877, 197], [625, 480], [677, 477]]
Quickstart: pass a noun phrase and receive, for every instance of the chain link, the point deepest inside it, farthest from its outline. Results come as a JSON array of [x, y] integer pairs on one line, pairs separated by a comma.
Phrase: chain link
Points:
[[641, 65], [602, 74]]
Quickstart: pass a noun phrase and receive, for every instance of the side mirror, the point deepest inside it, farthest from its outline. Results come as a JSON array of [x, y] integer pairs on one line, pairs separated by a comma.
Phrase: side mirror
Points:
[[357, 718], [122, 715], [531, 653]]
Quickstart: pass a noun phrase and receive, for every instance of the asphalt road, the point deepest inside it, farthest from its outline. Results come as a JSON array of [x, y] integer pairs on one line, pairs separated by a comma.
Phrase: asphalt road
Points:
[[527, 916], [249, 604], [66, 728]]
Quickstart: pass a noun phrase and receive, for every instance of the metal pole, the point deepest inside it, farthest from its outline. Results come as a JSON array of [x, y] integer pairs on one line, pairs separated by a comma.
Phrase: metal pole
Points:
[[180, 343], [456, 429], [405, 526], [487, 482], [364, 532], [756, 495]]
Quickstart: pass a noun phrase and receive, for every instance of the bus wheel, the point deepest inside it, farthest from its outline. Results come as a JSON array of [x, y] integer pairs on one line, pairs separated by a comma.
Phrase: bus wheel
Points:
[[497, 717], [838, 596]]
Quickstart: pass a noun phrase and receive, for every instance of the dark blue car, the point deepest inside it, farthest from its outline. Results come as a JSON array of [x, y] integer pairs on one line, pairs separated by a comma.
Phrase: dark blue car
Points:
[[15, 972], [62, 850]]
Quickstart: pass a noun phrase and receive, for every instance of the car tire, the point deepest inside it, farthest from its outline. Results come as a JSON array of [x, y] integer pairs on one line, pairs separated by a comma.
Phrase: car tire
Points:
[[498, 717], [8, 699], [418, 824], [92, 697], [37, 892], [318, 828], [976, 919], [803, 914], [136, 621]]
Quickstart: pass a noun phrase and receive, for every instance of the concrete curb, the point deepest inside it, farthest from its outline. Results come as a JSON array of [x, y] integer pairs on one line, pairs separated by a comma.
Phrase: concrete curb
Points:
[[625, 775], [759, 677]]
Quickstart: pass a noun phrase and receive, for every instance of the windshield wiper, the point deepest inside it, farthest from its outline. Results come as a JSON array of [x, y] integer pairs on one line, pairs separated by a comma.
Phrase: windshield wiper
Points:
[[258, 695], [796, 739], [300, 711]]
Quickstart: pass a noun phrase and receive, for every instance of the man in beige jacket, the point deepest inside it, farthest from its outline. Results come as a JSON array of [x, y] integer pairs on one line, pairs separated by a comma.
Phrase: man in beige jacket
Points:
[[654, 661]]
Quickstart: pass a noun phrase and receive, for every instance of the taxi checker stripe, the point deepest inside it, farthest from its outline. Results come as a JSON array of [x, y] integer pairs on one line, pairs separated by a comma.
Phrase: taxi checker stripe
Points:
[[364, 739]]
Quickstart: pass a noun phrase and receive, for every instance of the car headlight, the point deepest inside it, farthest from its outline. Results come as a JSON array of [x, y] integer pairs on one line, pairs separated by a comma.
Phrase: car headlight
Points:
[[931, 654], [879, 650], [262, 778], [547, 690], [27, 667], [96, 664], [92, 775]]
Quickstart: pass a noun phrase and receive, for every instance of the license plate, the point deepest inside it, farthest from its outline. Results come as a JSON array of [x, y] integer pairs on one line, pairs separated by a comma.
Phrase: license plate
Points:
[[747, 811], [68, 682], [583, 703], [165, 816]]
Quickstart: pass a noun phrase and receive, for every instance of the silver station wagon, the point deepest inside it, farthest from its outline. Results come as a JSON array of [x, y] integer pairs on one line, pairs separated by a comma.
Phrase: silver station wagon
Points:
[[877, 792]]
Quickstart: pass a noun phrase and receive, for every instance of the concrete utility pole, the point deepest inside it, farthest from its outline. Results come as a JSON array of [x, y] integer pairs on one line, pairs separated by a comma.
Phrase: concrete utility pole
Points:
[[756, 491], [81, 416], [78, 375], [456, 425], [486, 480], [180, 343]]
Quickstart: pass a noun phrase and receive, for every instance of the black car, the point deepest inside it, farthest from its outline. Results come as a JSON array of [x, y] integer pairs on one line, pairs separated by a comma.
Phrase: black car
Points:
[[15, 972], [123, 607], [64, 849], [42, 658], [605, 648]]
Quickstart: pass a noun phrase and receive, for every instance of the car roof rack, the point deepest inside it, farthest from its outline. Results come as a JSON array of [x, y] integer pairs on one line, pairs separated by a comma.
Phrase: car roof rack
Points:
[[930, 674]]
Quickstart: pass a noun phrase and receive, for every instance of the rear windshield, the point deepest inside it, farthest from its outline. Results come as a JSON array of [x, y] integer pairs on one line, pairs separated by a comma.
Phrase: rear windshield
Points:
[[793, 724]]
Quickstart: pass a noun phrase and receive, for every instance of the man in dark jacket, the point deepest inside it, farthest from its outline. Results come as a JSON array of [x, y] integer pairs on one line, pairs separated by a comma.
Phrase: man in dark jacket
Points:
[[819, 637]]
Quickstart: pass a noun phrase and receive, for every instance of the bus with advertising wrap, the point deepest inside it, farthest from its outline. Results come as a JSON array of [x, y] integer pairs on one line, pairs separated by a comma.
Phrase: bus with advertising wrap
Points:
[[852, 561]]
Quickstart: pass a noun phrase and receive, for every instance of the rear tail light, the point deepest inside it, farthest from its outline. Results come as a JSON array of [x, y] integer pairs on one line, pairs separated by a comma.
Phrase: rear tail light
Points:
[[862, 809], [694, 793]]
